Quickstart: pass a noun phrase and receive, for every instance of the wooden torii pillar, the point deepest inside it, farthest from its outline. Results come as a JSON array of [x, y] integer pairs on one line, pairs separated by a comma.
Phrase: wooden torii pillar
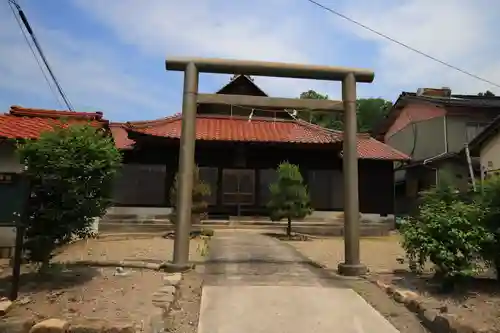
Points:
[[348, 76]]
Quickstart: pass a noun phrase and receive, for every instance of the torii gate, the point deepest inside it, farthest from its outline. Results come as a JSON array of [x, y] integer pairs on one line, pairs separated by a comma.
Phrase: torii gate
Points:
[[349, 76]]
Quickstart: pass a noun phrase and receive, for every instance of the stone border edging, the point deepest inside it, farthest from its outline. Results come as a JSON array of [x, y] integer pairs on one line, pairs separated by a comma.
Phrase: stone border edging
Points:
[[165, 266], [126, 236], [434, 321], [114, 263], [165, 300]]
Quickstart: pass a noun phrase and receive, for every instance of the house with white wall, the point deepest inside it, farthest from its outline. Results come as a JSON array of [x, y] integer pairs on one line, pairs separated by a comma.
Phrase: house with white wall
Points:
[[486, 146]]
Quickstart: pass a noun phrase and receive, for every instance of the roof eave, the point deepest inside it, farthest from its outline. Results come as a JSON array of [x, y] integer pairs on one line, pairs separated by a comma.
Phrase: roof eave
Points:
[[485, 135], [383, 126]]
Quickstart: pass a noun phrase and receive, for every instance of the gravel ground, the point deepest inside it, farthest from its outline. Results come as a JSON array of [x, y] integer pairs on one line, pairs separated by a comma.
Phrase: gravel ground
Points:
[[378, 254], [85, 294], [148, 249], [88, 294]]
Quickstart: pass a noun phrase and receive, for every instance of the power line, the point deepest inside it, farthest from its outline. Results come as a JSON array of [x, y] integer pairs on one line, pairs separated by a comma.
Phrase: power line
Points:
[[24, 19], [463, 71], [19, 23]]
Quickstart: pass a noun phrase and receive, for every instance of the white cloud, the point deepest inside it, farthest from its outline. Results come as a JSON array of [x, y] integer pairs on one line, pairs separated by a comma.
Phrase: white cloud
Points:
[[98, 73], [459, 32], [256, 30]]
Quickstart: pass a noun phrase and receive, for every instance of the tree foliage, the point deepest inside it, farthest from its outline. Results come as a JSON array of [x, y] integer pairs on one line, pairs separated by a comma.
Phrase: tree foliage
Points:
[[71, 172], [487, 93], [200, 192], [289, 196], [370, 111]]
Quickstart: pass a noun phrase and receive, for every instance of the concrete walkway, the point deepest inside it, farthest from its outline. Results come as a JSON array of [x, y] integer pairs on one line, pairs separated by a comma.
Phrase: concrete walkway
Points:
[[255, 283]]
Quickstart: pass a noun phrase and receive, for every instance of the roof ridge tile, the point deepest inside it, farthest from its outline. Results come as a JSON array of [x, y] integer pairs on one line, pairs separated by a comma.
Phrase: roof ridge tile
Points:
[[16, 110]]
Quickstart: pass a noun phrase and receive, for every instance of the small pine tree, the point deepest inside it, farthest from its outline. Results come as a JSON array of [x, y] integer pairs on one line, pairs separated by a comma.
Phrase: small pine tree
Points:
[[199, 193], [289, 196], [71, 173]]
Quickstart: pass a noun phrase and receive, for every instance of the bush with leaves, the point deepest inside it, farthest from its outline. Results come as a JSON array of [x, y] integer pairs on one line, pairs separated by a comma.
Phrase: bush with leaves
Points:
[[289, 196], [489, 197], [448, 231], [200, 192], [71, 172]]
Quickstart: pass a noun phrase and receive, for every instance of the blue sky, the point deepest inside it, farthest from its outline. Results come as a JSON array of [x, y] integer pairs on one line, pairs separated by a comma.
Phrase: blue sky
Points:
[[109, 55]]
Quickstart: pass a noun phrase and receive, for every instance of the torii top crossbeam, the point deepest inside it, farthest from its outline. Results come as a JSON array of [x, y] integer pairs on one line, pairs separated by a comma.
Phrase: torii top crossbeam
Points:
[[273, 69]]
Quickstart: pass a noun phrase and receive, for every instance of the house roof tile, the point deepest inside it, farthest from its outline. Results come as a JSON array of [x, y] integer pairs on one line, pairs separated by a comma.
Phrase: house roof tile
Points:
[[223, 128], [28, 123]]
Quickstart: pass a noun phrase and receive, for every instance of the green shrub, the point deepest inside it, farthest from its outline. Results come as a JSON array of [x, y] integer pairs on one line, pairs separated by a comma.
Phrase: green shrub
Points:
[[447, 231], [489, 196], [71, 173], [289, 196]]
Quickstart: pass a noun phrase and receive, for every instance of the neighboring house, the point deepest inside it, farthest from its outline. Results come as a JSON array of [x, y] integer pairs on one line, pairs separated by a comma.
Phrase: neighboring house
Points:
[[16, 126], [487, 146], [433, 126], [238, 150]]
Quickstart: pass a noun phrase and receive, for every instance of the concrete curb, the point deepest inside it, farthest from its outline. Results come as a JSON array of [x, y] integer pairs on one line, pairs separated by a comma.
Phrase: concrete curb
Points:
[[434, 321]]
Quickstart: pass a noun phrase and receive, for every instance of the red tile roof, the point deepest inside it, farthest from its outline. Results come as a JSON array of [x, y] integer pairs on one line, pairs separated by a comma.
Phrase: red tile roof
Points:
[[220, 128], [27, 123], [223, 128], [120, 136]]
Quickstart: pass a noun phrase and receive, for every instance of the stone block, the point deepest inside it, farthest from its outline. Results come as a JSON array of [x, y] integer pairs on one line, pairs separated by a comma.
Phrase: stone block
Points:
[[390, 290], [172, 279], [5, 306], [441, 323], [52, 325], [166, 290], [399, 296], [427, 316], [164, 297], [413, 305], [382, 285]]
